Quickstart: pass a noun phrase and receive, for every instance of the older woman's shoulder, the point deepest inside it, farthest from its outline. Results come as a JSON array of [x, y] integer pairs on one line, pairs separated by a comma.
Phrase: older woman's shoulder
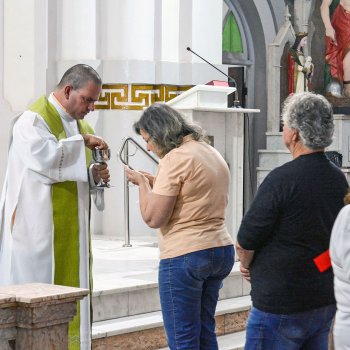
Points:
[[281, 175]]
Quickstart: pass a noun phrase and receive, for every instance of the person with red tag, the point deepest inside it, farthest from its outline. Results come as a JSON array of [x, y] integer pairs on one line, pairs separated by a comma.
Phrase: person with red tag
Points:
[[283, 239]]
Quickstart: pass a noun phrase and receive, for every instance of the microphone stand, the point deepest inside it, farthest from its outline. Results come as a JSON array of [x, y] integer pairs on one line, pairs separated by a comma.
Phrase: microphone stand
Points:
[[236, 103]]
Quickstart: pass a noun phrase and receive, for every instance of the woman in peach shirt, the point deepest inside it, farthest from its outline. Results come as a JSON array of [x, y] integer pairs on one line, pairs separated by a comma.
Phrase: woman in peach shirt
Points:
[[186, 200]]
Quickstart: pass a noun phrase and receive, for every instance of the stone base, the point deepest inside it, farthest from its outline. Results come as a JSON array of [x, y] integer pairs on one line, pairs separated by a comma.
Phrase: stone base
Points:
[[341, 110], [231, 323], [152, 339], [35, 316], [149, 339], [8, 339], [50, 337], [341, 105]]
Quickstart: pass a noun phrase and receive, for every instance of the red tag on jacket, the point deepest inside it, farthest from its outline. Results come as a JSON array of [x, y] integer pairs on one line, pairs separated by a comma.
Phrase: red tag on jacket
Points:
[[323, 261]]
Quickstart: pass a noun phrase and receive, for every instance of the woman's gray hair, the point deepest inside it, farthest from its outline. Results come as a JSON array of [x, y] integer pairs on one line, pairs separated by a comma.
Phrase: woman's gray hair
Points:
[[78, 76], [312, 116], [166, 127]]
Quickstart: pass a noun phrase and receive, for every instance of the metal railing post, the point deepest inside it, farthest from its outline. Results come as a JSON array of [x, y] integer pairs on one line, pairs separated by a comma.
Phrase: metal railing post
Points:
[[126, 201], [124, 157]]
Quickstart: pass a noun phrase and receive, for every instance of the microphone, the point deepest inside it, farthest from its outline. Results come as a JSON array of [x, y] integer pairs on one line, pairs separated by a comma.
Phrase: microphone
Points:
[[236, 103]]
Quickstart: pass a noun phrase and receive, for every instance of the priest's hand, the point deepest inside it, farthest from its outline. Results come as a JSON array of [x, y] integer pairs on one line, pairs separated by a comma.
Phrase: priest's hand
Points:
[[93, 141], [100, 172]]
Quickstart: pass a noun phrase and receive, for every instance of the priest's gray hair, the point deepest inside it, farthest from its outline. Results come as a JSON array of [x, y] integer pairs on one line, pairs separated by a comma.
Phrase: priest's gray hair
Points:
[[312, 116], [78, 76], [167, 127]]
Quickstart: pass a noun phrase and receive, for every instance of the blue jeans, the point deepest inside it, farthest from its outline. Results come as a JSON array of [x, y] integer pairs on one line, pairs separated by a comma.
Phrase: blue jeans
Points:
[[300, 331], [189, 290]]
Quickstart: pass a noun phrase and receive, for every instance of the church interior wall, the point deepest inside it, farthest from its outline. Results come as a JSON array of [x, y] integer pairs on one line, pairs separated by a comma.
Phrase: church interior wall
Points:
[[19, 53], [316, 44], [78, 37], [5, 108], [128, 42], [259, 25], [278, 10]]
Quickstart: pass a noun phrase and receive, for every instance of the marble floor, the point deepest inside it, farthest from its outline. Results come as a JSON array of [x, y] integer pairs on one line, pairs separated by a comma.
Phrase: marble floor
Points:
[[119, 270], [121, 267]]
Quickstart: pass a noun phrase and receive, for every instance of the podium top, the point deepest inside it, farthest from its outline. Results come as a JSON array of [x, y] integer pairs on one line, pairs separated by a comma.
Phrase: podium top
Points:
[[223, 109], [227, 89], [203, 96]]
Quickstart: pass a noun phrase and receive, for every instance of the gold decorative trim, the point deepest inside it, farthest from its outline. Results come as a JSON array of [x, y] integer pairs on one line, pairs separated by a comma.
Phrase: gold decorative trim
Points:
[[136, 96]]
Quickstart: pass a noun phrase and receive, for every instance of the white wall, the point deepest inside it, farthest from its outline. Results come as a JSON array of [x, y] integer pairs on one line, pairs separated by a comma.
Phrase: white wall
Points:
[[78, 32], [21, 52], [127, 41]]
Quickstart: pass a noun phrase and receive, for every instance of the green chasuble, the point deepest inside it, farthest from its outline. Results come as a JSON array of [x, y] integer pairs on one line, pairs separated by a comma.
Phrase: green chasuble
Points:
[[65, 216]]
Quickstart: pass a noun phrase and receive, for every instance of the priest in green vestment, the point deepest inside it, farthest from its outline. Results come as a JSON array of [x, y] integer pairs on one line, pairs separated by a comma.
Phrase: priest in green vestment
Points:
[[45, 203]]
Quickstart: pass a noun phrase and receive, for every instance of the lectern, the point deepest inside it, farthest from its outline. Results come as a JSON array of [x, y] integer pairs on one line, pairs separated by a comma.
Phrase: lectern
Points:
[[207, 105]]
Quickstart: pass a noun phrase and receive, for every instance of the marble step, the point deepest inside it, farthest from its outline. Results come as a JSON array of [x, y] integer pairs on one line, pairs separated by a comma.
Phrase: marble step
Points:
[[274, 141], [261, 173], [233, 341], [145, 331], [114, 301], [273, 158]]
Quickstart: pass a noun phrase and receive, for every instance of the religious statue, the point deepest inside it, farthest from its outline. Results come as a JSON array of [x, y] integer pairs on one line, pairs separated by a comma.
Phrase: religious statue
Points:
[[300, 69], [309, 72], [336, 18]]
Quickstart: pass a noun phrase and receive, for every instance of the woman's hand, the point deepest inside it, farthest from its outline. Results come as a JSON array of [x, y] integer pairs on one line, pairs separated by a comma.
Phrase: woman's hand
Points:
[[156, 210], [135, 177], [149, 177]]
